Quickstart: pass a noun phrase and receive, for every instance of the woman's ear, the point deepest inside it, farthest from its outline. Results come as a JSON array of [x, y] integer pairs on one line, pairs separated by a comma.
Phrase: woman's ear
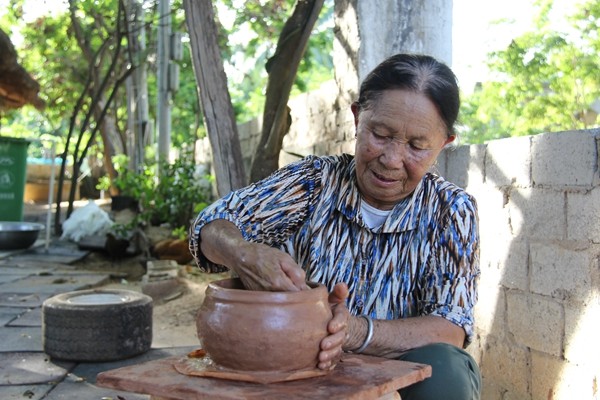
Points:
[[449, 140], [355, 107]]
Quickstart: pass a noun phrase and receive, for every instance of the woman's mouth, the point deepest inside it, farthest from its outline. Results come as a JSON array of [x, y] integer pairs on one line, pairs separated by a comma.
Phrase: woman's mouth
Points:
[[383, 178]]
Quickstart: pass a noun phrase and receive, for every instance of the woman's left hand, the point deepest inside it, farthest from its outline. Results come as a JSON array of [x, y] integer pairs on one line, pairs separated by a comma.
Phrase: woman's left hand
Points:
[[331, 345]]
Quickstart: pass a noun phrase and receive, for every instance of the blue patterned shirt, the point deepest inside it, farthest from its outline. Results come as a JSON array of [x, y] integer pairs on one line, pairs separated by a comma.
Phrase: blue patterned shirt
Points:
[[423, 260]]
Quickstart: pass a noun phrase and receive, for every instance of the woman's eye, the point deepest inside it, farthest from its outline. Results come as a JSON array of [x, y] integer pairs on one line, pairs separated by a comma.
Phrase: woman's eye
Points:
[[378, 136], [417, 146]]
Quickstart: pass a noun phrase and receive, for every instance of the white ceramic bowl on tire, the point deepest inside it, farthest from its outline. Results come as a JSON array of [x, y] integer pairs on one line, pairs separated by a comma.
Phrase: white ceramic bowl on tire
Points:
[[97, 325]]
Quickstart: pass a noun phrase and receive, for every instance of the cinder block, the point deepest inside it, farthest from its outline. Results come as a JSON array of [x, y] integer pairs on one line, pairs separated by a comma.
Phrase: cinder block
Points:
[[560, 273], [564, 159], [583, 216], [537, 213], [491, 272], [506, 365], [508, 162], [514, 269], [465, 165], [440, 166], [491, 391], [495, 236], [490, 203], [490, 313], [582, 346], [475, 348], [547, 372], [476, 175], [457, 165], [555, 378], [535, 321]]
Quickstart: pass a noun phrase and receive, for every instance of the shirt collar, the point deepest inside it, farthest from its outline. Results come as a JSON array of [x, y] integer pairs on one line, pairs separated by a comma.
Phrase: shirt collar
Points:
[[404, 215]]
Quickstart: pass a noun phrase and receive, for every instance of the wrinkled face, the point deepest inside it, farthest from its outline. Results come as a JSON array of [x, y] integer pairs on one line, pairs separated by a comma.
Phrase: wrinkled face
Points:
[[397, 140]]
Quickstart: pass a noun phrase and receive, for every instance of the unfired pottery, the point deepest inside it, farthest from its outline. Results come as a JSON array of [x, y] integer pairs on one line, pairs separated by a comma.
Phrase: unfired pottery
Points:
[[248, 330]]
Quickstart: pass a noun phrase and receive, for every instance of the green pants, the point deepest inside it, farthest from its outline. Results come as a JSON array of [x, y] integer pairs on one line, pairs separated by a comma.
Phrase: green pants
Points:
[[454, 374]]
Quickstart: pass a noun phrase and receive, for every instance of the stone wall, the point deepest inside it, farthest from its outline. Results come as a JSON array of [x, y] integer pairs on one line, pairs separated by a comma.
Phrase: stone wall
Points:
[[539, 209]]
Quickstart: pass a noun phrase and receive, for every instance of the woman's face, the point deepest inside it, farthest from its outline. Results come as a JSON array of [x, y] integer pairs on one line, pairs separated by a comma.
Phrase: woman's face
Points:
[[398, 139]]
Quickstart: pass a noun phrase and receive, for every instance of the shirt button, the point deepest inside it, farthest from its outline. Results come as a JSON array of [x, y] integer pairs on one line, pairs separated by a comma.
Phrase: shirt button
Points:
[[360, 304]]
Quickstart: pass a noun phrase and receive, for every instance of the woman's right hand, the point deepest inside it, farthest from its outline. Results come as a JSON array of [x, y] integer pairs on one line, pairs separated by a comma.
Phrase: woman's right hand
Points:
[[260, 267]]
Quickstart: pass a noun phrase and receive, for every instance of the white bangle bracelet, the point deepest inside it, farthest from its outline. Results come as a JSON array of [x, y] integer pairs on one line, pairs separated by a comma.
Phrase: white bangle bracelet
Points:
[[369, 334]]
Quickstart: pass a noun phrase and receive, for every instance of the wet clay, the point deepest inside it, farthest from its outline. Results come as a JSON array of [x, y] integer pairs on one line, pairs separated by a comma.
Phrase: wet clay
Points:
[[205, 368], [260, 331]]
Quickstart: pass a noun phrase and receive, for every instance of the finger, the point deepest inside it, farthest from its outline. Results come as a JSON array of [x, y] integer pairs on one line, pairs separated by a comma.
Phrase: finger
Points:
[[333, 341], [295, 274], [328, 358], [339, 294]]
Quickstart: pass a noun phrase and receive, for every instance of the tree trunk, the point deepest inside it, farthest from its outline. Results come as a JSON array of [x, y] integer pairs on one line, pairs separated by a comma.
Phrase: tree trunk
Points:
[[413, 26], [215, 101], [282, 69]]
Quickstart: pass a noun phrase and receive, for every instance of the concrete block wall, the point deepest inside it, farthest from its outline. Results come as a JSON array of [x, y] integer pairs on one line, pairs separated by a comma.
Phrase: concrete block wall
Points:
[[539, 292]]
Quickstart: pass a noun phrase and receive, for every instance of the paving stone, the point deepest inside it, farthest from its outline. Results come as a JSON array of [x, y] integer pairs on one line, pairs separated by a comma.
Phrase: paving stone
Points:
[[27, 300], [20, 339], [7, 314], [89, 371], [32, 317], [55, 283], [24, 392], [24, 368], [33, 267], [63, 254], [8, 268], [4, 254], [7, 278], [74, 387]]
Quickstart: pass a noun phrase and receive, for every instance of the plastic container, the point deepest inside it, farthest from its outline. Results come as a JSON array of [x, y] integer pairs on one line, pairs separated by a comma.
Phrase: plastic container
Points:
[[13, 168]]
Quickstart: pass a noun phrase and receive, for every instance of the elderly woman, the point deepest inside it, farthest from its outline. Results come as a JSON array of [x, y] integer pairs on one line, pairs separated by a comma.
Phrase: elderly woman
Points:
[[397, 246]]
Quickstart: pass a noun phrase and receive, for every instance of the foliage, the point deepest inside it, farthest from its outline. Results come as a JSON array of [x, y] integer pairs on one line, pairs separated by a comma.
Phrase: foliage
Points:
[[127, 182], [180, 233], [123, 231], [545, 81], [182, 191], [253, 28], [49, 51], [51, 57]]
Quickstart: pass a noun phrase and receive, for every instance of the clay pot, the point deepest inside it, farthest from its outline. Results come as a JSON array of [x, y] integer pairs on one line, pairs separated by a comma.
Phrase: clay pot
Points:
[[248, 330]]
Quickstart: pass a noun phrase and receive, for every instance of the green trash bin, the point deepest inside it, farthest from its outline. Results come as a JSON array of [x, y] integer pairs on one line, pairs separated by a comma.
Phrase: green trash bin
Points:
[[13, 168]]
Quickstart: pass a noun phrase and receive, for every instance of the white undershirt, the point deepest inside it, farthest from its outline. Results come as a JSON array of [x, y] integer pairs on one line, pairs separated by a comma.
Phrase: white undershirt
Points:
[[373, 217]]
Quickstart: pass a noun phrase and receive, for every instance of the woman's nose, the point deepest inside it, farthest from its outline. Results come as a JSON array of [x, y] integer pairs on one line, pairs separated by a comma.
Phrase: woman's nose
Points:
[[393, 155]]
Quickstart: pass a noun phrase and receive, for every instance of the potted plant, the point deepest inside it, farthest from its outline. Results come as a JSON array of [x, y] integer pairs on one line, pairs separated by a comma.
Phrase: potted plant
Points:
[[118, 239], [129, 186]]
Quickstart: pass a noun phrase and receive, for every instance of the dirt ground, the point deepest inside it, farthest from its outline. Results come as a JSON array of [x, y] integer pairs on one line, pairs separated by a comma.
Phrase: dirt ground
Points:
[[174, 308]]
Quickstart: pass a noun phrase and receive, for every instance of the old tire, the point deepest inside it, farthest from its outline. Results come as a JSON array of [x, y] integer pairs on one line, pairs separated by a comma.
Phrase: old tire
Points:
[[97, 325]]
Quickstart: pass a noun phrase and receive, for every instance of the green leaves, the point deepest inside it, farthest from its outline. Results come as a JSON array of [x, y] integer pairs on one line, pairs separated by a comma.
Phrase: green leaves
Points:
[[252, 41], [545, 82], [167, 193]]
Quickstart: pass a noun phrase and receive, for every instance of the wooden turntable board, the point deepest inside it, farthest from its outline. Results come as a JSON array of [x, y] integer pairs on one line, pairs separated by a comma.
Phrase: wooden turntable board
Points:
[[356, 377]]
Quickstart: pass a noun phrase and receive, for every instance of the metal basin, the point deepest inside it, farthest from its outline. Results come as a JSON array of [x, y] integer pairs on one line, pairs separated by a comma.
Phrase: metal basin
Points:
[[18, 235]]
